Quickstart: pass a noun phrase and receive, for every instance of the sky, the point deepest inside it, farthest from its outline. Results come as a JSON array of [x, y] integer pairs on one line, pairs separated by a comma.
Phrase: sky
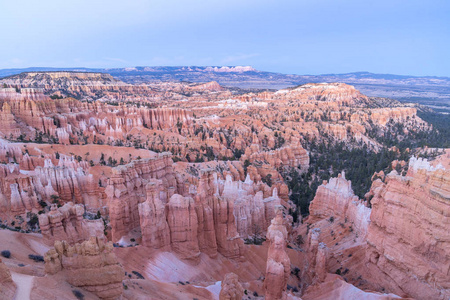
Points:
[[406, 37]]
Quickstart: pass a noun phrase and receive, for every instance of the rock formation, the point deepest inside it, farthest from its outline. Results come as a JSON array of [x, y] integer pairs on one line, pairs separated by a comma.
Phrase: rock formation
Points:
[[278, 263], [90, 265], [213, 217], [339, 93], [7, 285], [293, 156], [67, 224], [231, 288], [408, 233], [183, 225], [127, 188], [335, 199]]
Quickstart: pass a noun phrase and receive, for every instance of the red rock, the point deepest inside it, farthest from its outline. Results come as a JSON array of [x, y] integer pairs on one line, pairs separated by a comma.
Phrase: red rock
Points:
[[231, 288], [278, 263], [67, 223], [7, 285], [90, 265], [408, 250]]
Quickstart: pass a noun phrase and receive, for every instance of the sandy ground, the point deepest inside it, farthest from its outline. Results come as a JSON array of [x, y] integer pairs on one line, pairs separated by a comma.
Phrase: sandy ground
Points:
[[24, 284]]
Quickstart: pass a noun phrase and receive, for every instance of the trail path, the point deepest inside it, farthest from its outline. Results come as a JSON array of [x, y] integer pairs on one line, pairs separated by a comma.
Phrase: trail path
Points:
[[24, 284]]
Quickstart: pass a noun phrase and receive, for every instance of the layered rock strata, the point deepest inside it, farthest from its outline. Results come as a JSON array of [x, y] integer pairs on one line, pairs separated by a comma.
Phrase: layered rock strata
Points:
[[91, 265], [278, 263], [127, 188], [67, 224], [335, 199], [7, 285], [408, 239], [231, 288]]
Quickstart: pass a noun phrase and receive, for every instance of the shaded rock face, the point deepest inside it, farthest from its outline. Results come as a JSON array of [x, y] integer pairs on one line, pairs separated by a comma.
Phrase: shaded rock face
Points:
[[231, 288], [67, 224], [315, 270], [278, 263], [408, 235], [91, 265], [7, 285]]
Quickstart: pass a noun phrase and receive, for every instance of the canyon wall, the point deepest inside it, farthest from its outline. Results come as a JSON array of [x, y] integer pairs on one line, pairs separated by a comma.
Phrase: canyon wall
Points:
[[408, 239], [402, 238]]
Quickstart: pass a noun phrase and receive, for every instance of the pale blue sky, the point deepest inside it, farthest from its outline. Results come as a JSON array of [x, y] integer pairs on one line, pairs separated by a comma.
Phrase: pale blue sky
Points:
[[300, 37]]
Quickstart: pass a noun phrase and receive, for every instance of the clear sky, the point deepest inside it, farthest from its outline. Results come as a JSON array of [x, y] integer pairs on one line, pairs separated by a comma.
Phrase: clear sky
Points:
[[293, 36]]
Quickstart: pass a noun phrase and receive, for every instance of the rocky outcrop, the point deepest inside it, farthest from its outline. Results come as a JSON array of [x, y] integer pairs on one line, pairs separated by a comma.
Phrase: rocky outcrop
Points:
[[408, 233], [154, 228], [231, 288], [7, 285], [294, 156], [335, 199], [91, 265], [278, 263], [183, 224], [27, 184], [67, 224], [127, 188], [338, 93], [315, 269], [85, 85], [212, 218], [208, 86]]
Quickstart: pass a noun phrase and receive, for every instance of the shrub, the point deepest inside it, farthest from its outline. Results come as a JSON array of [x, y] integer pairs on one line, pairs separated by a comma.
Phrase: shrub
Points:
[[138, 275], [78, 294], [6, 253], [36, 258]]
